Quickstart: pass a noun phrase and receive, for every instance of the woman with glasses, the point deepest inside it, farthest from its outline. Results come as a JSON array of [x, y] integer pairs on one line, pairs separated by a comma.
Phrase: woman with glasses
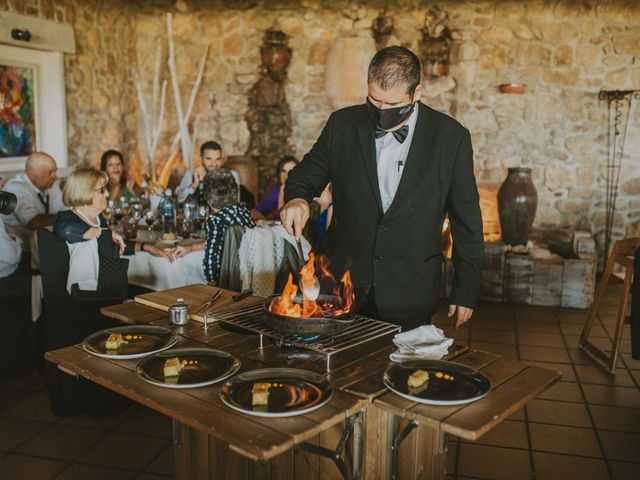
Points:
[[85, 193]]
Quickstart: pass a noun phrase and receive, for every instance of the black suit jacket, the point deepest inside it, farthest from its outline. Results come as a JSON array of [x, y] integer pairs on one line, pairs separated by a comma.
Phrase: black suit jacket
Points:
[[399, 252]]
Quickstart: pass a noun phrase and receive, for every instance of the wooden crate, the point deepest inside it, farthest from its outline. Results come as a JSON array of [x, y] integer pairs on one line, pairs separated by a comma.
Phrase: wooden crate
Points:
[[518, 279], [493, 271], [579, 281], [547, 282]]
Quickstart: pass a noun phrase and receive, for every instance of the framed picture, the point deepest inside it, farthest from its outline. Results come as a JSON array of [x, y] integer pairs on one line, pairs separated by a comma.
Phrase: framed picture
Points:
[[32, 106]]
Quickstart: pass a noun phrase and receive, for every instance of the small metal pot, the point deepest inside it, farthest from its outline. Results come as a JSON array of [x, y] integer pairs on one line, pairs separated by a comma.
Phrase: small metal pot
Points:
[[179, 313]]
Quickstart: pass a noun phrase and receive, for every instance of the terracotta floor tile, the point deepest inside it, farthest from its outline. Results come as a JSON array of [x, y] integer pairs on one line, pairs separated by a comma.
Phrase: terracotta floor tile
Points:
[[624, 471], [14, 431], [611, 395], [578, 357], [636, 375], [28, 468], [493, 335], [549, 328], [497, 323], [629, 361], [163, 463], [510, 433], [505, 464], [85, 472], [11, 398], [621, 446], [28, 382], [563, 391], [559, 413], [573, 316], [576, 329], [124, 450], [149, 422], [544, 354], [150, 476], [85, 421], [61, 442], [550, 466], [563, 439], [596, 374], [616, 418], [502, 349], [564, 368], [36, 407], [535, 313], [540, 339]]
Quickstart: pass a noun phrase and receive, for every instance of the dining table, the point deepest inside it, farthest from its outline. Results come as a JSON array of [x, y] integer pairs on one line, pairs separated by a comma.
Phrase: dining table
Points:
[[364, 431]]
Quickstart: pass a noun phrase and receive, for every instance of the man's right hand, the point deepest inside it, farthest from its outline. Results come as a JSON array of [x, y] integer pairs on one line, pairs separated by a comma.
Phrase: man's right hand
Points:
[[294, 216]]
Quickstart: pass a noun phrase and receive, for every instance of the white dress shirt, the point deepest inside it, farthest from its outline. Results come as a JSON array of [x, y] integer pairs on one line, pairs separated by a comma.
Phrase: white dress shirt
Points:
[[30, 205], [10, 251], [391, 157]]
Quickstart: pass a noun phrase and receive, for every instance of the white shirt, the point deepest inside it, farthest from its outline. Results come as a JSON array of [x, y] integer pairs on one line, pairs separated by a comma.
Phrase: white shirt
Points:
[[10, 251], [391, 157], [29, 205], [187, 180]]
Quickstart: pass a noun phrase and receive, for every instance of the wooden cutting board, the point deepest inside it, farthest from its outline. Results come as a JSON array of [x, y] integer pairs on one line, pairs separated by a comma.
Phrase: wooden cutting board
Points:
[[195, 296]]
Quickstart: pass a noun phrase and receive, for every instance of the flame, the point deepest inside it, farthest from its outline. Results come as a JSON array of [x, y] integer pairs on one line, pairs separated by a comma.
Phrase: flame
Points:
[[342, 292]]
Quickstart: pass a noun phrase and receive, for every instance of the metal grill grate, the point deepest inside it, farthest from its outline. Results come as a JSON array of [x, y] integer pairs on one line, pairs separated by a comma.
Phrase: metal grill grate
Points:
[[361, 330]]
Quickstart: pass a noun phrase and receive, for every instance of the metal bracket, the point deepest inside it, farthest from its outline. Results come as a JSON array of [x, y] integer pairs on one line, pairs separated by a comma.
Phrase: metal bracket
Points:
[[395, 445], [335, 455]]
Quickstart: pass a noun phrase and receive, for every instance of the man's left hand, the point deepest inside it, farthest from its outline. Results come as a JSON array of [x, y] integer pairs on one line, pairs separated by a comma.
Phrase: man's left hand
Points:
[[464, 314]]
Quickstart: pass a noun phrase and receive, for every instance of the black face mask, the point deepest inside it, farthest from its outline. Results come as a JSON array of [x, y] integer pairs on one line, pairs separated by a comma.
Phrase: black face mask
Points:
[[387, 118]]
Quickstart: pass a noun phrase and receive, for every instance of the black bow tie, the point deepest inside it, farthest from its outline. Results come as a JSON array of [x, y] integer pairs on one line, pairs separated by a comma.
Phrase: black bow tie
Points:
[[399, 134]]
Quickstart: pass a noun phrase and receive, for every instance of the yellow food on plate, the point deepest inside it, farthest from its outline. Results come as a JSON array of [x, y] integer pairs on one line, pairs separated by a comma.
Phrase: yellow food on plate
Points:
[[169, 236], [114, 341], [172, 367], [417, 378], [260, 394]]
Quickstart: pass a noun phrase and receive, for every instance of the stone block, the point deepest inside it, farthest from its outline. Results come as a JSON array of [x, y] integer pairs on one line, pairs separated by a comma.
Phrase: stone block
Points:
[[566, 77], [631, 187], [497, 35], [564, 56], [559, 176]]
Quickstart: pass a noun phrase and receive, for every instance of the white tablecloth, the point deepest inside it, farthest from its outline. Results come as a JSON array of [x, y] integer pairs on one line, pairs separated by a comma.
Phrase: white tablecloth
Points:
[[158, 273]]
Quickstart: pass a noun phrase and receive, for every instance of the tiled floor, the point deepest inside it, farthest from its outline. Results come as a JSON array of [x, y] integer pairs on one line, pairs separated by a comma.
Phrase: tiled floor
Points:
[[586, 427]]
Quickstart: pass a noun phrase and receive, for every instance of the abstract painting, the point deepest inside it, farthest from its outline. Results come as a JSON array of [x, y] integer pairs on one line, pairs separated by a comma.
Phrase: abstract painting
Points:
[[17, 111]]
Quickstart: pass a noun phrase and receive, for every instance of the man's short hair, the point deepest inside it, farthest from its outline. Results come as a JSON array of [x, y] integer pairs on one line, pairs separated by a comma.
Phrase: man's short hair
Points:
[[210, 145], [393, 67], [80, 186], [220, 188]]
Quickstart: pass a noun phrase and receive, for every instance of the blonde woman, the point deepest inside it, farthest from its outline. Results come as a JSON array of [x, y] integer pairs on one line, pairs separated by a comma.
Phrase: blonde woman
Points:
[[85, 193]]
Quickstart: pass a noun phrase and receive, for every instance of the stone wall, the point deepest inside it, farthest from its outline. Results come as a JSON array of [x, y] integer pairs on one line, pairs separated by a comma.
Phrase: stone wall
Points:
[[100, 97], [565, 51]]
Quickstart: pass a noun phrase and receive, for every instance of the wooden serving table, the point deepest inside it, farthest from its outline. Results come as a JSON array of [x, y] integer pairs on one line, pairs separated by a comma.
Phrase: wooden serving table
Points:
[[361, 431]]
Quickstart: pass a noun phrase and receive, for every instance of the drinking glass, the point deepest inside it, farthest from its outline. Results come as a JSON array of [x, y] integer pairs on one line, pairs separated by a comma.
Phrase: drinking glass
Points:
[[150, 217]]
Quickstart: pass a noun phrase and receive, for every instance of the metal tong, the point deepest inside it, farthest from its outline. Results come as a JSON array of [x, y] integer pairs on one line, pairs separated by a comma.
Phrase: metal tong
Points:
[[211, 301]]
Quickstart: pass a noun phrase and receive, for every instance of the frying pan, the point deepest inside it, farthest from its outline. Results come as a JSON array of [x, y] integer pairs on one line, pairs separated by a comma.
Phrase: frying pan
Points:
[[310, 325]]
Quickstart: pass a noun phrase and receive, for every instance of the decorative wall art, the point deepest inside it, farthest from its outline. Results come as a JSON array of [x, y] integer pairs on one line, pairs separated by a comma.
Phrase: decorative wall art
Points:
[[32, 106], [17, 110]]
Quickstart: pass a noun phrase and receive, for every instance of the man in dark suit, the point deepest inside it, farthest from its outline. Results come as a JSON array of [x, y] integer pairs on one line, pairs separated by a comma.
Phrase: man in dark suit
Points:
[[398, 168]]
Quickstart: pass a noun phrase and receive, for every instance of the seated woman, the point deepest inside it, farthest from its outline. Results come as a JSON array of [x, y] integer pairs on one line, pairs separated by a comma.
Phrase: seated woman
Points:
[[221, 193], [270, 205], [85, 193], [112, 162]]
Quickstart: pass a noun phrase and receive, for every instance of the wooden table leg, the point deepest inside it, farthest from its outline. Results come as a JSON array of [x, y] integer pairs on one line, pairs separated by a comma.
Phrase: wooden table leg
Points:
[[420, 451]]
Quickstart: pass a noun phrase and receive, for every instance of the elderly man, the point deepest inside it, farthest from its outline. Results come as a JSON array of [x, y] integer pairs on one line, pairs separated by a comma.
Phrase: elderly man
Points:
[[397, 168], [39, 197]]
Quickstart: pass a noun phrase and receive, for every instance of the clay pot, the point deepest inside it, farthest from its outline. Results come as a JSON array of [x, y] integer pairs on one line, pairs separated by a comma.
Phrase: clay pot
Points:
[[517, 204], [276, 59]]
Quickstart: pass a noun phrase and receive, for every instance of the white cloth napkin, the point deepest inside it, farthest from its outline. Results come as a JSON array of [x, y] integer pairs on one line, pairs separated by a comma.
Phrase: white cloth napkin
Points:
[[425, 342]]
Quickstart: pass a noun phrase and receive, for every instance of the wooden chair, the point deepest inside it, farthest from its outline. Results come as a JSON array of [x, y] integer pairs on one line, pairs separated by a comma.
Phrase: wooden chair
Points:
[[622, 254]]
